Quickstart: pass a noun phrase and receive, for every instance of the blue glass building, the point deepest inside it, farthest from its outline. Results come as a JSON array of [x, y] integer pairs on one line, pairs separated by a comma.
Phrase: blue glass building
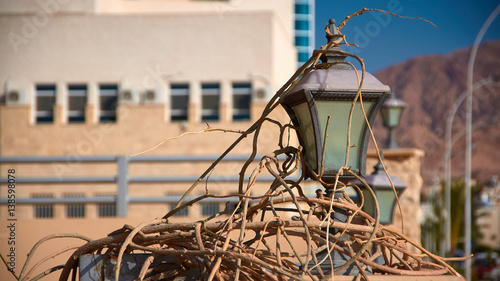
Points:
[[304, 29]]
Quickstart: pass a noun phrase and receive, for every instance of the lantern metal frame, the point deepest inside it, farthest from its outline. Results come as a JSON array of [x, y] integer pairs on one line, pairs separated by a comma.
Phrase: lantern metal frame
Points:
[[344, 89], [334, 80]]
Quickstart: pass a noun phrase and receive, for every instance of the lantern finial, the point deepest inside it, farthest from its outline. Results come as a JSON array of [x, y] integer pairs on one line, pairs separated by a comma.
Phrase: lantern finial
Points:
[[333, 35], [331, 30]]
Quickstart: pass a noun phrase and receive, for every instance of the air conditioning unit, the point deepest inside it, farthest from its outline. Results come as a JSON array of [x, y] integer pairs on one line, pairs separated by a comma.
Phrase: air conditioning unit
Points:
[[153, 96], [129, 96], [260, 93], [16, 97]]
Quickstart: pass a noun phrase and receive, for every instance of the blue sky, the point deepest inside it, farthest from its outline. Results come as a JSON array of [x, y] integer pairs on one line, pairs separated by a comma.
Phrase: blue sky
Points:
[[386, 40]]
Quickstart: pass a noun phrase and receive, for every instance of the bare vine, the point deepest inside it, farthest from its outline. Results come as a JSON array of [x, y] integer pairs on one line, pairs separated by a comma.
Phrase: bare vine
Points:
[[279, 235]]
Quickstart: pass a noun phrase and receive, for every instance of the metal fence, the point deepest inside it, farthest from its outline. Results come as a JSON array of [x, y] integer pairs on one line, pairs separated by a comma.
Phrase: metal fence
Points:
[[121, 179]]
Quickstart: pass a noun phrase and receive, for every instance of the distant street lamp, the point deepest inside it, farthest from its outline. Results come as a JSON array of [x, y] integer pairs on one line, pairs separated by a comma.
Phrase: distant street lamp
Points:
[[447, 156], [382, 187], [391, 115], [468, 139], [325, 95]]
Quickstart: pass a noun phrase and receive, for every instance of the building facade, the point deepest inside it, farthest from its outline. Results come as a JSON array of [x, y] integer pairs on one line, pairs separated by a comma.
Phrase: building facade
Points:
[[118, 77], [88, 83]]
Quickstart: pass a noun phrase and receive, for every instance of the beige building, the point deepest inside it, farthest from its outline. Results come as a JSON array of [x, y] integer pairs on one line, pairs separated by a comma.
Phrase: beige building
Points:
[[117, 77], [104, 79], [87, 83]]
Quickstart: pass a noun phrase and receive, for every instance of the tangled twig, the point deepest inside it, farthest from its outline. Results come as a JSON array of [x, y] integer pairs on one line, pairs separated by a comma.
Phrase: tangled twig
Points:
[[280, 235], [264, 255], [312, 236]]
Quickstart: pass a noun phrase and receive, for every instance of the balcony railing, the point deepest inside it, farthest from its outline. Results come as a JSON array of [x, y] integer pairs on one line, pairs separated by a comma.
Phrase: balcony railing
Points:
[[121, 179]]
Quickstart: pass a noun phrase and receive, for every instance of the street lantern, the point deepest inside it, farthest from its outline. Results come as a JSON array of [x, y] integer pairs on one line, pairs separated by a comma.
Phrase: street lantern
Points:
[[330, 92], [391, 115], [382, 188]]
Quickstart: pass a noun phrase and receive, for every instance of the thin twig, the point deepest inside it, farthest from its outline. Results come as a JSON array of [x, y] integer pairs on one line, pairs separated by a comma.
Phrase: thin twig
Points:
[[364, 10]]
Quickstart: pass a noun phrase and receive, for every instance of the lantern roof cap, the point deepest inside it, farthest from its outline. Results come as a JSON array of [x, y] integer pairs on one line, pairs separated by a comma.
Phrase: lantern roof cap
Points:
[[382, 182], [379, 180], [392, 101], [339, 80]]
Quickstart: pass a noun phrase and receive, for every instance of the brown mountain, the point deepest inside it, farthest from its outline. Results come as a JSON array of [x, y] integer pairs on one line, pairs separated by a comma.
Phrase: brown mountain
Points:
[[430, 85]]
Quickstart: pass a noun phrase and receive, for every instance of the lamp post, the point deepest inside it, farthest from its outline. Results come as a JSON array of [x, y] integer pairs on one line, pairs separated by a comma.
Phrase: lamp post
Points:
[[382, 187], [391, 115], [326, 107], [468, 139], [447, 156], [328, 94]]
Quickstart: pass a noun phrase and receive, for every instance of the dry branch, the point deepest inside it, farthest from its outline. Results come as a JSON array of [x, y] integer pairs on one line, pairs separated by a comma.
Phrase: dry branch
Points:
[[268, 243]]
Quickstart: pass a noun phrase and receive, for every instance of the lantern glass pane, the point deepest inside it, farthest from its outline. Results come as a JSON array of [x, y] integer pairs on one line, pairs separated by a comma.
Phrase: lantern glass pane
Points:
[[391, 116], [303, 115], [336, 144], [369, 205], [386, 200]]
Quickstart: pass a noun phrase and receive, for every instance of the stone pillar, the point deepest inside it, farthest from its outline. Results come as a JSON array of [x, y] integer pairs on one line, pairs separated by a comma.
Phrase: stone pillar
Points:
[[61, 105], [59, 116], [194, 105], [225, 104], [92, 108], [90, 113]]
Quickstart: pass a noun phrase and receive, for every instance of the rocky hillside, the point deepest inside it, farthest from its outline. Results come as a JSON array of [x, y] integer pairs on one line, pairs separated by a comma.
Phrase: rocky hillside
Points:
[[430, 85]]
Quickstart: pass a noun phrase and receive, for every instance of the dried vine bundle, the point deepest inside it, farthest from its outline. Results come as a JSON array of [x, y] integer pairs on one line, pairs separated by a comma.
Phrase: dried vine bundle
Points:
[[281, 235]]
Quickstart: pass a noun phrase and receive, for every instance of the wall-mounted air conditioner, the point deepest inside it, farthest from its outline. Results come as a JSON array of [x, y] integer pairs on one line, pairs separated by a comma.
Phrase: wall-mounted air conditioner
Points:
[[260, 93], [129, 96], [16, 97], [153, 96]]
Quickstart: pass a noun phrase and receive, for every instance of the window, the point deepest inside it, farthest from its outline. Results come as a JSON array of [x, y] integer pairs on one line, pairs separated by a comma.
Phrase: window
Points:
[[75, 210], [174, 197], [301, 24], [45, 101], [108, 100], [43, 210], [77, 99], [242, 95], [210, 97], [301, 41], [181, 213], [179, 102], [209, 209], [106, 209], [303, 56], [302, 9]]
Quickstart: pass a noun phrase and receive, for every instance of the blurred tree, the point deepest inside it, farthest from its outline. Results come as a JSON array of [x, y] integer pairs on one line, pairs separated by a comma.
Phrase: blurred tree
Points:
[[433, 226]]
